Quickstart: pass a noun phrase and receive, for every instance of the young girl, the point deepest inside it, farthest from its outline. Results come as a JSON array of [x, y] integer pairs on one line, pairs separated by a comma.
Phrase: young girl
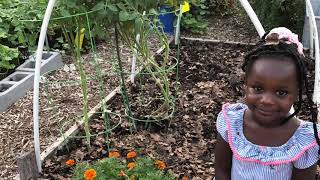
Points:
[[261, 140]]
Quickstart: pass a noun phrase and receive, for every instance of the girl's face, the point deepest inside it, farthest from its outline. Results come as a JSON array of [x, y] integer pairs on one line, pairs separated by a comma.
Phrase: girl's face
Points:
[[271, 88]]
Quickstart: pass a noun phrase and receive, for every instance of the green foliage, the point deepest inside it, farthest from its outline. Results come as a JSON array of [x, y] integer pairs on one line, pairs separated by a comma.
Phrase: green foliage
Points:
[[195, 21], [173, 3], [13, 28], [102, 15], [220, 7], [6, 55], [110, 168], [15, 32], [286, 13]]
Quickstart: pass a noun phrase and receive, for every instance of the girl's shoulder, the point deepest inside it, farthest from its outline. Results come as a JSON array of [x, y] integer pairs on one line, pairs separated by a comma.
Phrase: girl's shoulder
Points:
[[232, 113], [301, 149], [306, 128], [230, 117]]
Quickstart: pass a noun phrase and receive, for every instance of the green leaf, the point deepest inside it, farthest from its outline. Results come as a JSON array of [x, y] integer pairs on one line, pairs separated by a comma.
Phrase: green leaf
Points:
[[124, 16], [112, 8], [7, 54], [153, 12], [21, 38], [3, 34], [64, 12], [98, 6]]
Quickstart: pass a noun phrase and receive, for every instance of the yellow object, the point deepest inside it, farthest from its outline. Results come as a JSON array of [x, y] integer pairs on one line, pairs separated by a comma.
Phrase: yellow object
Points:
[[81, 38], [185, 7]]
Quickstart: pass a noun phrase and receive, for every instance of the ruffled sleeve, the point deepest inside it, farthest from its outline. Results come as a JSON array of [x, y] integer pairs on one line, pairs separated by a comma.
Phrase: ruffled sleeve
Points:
[[222, 126], [310, 156], [224, 122]]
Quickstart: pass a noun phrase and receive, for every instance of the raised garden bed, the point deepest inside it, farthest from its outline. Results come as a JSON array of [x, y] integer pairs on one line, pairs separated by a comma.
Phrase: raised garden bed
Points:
[[65, 92], [185, 141], [210, 75]]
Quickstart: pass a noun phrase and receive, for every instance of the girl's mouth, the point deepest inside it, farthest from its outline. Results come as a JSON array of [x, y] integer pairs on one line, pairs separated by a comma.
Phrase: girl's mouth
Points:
[[265, 112]]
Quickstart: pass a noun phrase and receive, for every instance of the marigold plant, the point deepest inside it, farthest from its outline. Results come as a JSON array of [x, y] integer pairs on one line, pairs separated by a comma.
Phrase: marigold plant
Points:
[[119, 168], [90, 174], [114, 154], [70, 162], [160, 164], [131, 154], [131, 165], [184, 178]]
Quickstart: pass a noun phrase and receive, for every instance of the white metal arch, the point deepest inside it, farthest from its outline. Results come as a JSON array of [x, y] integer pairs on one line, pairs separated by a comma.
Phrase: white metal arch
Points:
[[314, 49], [39, 52], [252, 15]]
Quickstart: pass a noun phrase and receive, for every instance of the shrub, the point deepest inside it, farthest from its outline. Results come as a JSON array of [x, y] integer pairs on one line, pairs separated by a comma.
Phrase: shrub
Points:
[[195, 21], [287, 13], [6, 56], [140, 168], [220, 7]]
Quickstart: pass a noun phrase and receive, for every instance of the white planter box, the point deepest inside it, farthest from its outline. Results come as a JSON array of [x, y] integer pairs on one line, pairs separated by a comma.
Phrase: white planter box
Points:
[[20, 82], [14, 87], [50, 61]]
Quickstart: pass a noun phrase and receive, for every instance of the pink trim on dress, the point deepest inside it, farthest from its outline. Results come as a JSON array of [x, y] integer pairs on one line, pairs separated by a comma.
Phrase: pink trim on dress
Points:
[[237, 156]]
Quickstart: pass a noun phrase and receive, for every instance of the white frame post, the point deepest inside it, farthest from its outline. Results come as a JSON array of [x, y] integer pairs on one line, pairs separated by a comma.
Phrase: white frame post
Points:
[[36, 108]]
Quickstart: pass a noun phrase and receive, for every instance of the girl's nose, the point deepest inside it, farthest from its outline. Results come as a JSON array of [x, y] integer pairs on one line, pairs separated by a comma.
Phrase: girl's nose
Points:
[[267, 98]]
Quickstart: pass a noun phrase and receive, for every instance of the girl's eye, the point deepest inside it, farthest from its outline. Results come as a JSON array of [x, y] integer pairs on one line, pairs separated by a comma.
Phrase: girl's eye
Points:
[[257, 89], [281, 93]]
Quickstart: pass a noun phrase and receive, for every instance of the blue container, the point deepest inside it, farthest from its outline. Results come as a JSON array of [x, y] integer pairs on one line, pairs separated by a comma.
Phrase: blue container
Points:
[[167, 19]]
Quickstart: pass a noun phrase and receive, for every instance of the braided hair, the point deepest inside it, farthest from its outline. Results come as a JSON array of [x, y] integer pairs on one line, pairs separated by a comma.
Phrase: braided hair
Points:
[[280, 49]]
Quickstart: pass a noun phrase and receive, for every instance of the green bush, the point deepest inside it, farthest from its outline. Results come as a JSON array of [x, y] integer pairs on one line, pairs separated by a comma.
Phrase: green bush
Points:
[[195, 20], [220, 7], [14, 31], [286, 13], [6, 56]]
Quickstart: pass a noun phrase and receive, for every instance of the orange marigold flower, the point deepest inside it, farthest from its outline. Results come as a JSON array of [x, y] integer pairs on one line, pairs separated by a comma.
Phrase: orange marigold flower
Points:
[[160, 164], [90, 174], [114, 154], [121, 174], [131, 165], [70, 162], [131, 154], [184, 178]]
